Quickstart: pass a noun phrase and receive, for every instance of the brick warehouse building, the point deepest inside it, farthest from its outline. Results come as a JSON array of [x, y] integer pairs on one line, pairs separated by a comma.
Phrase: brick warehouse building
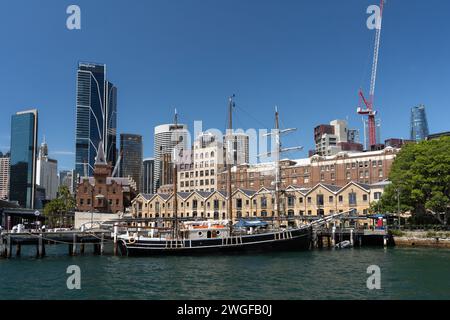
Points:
[[103, 193], [362, 167]]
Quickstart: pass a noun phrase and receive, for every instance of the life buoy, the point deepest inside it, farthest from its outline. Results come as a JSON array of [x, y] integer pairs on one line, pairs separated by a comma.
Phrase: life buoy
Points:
[[132, 240]]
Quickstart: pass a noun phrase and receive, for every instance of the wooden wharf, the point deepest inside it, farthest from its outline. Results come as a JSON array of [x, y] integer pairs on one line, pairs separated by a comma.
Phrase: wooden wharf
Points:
[[76, 241]]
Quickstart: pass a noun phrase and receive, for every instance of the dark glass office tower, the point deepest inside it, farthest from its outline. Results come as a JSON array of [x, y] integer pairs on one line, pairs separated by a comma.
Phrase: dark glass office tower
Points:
[[22, 183], [96, 116], [111, 123], [419, 123], [131, 161], [148, 176]]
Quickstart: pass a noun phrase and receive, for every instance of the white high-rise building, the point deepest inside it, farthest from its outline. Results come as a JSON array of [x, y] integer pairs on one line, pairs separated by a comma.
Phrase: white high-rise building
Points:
[[47, 172], [68, 178], [4, 176], [166, 137], [239, 146], [335, 137], [199, 173]]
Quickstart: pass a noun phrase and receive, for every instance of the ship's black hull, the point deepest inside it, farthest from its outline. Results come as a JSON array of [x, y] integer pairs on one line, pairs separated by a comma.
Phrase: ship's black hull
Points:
[[295, 239]]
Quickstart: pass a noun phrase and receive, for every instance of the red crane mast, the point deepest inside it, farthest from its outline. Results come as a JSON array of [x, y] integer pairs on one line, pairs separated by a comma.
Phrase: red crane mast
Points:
[[369, 110]]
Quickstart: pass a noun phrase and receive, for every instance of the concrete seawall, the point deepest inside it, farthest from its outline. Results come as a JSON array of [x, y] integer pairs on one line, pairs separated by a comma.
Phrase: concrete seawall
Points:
[[422, 242]]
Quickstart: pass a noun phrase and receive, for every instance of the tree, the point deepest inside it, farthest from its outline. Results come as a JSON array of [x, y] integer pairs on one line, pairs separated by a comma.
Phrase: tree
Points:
[[420, 177], [56, 210]]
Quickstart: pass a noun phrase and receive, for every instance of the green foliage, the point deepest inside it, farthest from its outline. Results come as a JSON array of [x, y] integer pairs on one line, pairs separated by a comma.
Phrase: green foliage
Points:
[[420, 176], [431, 234], [375, 207], [397, 233], [56, 210], [440, 235]]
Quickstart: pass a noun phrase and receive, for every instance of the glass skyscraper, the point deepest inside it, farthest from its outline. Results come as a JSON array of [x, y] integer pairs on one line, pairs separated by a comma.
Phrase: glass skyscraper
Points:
[[148, 175], [419, 123], [22, 182], [96, 116], [111, 124], [131, 151]]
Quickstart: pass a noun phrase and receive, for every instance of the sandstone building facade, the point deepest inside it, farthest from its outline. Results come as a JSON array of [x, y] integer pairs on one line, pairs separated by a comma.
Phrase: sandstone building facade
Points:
[[299, 204]]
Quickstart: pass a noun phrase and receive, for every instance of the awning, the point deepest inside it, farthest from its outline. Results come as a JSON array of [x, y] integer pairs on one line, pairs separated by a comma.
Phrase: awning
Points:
[[376, 216], [22, 213], [250, 223]]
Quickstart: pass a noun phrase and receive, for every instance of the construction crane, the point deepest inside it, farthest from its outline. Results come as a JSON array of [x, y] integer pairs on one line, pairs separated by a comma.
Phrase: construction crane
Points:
[[369, 109]]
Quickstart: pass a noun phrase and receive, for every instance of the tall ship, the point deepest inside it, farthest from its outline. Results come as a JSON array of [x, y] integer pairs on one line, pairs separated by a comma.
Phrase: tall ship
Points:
[[221, 236]]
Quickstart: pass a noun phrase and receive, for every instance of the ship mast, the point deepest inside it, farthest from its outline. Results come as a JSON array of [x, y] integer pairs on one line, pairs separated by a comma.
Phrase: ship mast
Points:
[[277, 151], [229, 154], [174, 178], [277, 164]]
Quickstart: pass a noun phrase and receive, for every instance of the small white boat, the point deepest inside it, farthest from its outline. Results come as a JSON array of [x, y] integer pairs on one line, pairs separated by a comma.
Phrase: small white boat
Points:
[[344, 244]]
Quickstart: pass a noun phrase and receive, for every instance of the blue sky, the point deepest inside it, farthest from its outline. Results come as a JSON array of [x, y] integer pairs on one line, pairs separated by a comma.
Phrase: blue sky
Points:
[[307, 57]]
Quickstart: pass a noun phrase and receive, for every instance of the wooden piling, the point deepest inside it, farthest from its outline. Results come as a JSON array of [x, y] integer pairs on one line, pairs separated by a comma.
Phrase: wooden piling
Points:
[[2, 248], [96, 248], [81, 248], [43, 248], [320, 242], [18, 249], [102, 243], [40, 247], [74, 245], [116, 247], [8, 246], [115, 239]]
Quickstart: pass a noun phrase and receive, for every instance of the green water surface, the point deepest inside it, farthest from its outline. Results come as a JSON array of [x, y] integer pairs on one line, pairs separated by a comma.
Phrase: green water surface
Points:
[[319, 274]]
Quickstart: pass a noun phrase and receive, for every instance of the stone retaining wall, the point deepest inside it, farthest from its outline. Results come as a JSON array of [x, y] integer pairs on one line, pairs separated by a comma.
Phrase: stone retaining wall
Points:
[[422, 242]]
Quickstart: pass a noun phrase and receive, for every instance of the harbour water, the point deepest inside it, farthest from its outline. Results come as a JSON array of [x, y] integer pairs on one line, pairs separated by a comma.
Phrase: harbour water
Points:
[[406, 273]]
